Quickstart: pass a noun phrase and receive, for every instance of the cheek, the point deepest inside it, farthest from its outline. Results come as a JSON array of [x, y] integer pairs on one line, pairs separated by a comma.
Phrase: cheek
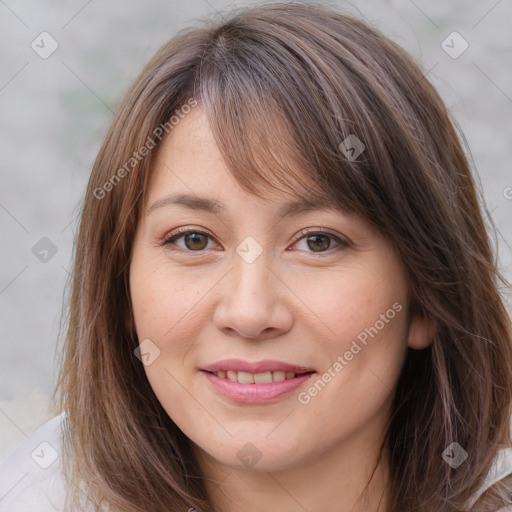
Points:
[[364, 330], [164, 309], [362, 300], [165, 304]]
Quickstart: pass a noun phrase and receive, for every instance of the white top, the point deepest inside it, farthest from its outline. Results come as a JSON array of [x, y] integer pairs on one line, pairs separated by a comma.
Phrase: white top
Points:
[[30, 474], [31, 479]]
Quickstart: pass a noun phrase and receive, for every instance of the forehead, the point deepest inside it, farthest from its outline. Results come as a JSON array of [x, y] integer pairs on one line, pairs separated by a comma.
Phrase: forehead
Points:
[[189, 170], [190, 140]]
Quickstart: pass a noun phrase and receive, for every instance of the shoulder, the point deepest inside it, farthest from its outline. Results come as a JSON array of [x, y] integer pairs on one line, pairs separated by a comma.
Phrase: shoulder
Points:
[[501, 468], [30, 474]]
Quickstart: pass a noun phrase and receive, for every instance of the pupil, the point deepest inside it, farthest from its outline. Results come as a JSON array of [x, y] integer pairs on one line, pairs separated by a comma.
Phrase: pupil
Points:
[[324, 246], [196, 239]]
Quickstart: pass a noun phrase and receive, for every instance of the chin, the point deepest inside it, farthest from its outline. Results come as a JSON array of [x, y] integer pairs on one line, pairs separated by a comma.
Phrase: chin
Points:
[[255, 454]]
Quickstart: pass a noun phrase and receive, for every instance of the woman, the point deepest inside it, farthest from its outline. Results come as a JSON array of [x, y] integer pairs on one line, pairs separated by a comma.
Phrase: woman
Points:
[[284, 296]]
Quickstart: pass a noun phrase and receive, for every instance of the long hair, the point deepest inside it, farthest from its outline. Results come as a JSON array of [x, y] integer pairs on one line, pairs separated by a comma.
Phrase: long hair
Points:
[[283, 85]]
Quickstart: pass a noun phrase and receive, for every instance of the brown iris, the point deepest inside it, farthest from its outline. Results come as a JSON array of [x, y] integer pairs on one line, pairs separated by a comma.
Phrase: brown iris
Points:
[[322, 246], [196, 241]]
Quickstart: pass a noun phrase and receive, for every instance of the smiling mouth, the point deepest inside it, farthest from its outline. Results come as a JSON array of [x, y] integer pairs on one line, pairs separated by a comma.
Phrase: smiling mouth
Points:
[[257, 378]]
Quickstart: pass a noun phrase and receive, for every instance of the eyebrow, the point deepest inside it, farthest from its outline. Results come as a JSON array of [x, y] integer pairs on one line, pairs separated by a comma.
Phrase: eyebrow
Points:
[[218, 208]]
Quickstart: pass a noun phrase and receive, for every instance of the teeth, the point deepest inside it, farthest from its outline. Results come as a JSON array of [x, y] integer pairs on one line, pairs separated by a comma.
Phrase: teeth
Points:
[[252, 378], [263, 378], [278, 376], [246, 378]]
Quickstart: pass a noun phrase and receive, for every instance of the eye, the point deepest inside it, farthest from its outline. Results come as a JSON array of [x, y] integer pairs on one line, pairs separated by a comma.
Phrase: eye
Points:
[[194, 240], [320, 241]]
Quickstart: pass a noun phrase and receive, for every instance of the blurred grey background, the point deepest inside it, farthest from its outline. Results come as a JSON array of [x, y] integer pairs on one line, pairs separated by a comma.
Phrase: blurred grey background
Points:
[[55, 108]]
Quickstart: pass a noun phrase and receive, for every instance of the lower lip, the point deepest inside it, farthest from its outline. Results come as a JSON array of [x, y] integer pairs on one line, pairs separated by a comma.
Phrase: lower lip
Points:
[[256, 393]]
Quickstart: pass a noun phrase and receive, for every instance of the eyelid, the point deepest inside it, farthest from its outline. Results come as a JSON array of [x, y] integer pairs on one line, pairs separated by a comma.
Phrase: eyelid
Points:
[[323, 231], [183, 230]]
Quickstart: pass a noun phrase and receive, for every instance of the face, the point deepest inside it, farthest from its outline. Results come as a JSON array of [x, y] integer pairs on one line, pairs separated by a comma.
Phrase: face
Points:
[[307, 312]]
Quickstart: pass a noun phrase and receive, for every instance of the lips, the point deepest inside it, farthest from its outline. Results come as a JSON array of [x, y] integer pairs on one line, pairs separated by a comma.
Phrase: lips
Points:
[[254, 383]]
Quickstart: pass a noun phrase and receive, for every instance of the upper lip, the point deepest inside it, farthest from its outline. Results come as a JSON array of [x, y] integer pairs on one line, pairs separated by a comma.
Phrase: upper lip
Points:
[[238, 365]]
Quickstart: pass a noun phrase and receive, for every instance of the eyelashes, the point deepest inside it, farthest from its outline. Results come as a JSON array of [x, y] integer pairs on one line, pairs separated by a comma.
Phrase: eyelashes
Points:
[[201, 240]]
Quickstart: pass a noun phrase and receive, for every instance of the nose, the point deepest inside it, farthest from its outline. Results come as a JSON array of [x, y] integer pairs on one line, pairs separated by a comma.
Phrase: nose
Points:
[[254, 302]]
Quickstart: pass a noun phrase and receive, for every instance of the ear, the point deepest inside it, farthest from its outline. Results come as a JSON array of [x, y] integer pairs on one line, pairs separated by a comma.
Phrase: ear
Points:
[[421, 332]]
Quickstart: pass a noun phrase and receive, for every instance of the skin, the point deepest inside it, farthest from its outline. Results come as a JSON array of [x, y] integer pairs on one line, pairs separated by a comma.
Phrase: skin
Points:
[[294, 303]]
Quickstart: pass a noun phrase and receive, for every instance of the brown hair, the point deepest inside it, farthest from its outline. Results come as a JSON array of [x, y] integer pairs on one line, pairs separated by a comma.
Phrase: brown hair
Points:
[[282, 86]]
